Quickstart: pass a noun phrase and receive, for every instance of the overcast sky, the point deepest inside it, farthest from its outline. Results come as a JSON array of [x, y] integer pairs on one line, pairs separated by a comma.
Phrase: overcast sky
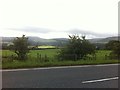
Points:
[[59, 18]]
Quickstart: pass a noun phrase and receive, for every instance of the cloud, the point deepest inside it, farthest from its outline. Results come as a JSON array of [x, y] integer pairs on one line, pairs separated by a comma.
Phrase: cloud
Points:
[[88, 33], [31, 30], [58, 33]]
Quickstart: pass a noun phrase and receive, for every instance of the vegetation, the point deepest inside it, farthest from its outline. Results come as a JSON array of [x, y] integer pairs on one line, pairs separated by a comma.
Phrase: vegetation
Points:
[[111, 44], [20, 47], [77, 48], [114, 45], [34, 61], [99, 46]]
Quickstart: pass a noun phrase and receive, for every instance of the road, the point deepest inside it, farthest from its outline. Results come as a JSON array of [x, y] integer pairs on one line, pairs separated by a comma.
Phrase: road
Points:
[[96, 76]]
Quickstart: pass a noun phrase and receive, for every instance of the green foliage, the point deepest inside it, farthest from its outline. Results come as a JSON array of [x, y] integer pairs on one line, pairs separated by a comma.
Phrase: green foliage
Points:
[[114, 45], [77, 48], [35, 61], [99, 46], [111, 44], [20, 47]]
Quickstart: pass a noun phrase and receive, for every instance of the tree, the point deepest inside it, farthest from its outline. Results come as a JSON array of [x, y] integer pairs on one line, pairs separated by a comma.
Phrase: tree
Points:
[[116, 50], [114, 45], [111, 44], [77, 48], [20, 47]]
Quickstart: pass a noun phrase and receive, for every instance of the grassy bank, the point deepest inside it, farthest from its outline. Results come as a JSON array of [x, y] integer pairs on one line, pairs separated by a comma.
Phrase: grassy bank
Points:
[[31, 64], [34, 61]]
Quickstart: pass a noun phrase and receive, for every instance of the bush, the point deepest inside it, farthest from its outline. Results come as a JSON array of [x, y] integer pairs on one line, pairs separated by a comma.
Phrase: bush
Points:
[[77, 48], [114, 45], [20, 47]]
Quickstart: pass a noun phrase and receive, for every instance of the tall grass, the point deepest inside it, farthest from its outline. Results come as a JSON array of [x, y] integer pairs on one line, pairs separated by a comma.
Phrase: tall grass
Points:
[[101, 54]]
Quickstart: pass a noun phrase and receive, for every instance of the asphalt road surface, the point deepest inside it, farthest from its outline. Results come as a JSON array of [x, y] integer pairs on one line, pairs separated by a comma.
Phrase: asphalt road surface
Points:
[[96, 76]]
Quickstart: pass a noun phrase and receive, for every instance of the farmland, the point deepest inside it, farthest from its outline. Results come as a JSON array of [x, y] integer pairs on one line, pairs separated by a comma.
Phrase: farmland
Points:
[[48, 58], [44, 47]]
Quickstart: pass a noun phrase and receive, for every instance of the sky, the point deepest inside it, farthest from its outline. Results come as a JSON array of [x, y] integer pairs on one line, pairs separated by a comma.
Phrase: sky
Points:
[[59, 18]]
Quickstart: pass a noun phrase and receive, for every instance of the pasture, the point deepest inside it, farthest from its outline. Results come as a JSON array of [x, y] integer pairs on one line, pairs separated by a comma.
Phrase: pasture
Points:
[[47, 57], [44, 47]]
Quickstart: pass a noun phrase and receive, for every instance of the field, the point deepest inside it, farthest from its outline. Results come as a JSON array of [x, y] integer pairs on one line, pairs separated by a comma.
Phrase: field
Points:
[[44, 47], [47, 57]]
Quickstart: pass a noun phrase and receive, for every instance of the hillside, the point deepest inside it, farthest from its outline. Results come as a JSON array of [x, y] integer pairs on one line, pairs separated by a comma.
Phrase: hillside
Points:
[[38, 41], [104, 40], [56, 41]]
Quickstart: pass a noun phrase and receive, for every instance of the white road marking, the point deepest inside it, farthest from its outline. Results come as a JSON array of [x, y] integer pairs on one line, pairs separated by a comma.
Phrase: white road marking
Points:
[[101, 80], [57, 67]]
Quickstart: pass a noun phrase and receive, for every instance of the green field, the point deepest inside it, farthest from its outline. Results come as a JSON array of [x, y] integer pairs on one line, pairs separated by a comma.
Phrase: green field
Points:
[[46, 47], [33, 53], [34, 59]]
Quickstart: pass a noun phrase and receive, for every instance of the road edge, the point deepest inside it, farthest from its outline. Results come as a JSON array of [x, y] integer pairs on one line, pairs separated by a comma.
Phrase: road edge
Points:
[[57, 67]]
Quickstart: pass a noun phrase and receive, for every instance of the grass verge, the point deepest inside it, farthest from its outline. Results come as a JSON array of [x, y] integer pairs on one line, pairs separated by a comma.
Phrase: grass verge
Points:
[[28, 64]]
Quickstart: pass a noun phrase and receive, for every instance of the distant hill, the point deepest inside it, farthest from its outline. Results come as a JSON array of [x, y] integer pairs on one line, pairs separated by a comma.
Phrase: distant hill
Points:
[[95, 40], [56, 41], [104, 40], [38, 41], [7, 39]]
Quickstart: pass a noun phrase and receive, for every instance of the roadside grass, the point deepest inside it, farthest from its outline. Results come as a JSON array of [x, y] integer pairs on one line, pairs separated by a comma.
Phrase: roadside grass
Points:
[[33, 61], [28, 64]]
